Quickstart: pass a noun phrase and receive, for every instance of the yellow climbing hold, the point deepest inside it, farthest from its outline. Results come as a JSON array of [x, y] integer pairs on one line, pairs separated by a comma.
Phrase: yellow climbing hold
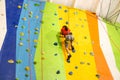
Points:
[[11, 61], [27, 68], [19, 6]]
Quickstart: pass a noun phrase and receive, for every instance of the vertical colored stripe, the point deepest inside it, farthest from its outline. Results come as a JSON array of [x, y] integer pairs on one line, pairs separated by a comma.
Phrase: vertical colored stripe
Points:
[[8, 51], [102, 67], [48, 56], [77, 22]]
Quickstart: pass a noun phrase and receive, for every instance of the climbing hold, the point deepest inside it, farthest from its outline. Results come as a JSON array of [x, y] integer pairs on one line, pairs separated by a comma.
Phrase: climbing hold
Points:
[[36, 17], [85, 20], [42, 22], [91, 53], [70, 73], [85, 53], [21, 33], [36, 32], [21, 38], [55, 14], [60, 7], [65, 10], [11, 61], [24, 19], [55, 43], [35, 40], [60, 18], [29, 15], [27, 68], [42, 58], [88, 63], [76, 67], [19, 6], [19, 61], [36, 4], [34, 62], [26, 75], [31, 12], [85, 37], [17, 79], [35, 46], [82, 62], [36, 29], [67, 22], [16, 26], [20, 44], [97, 75], [27, 50], [25, 6], [41, 11], [82, 26], [53, 24], [22, 26], [55, 54], [58, 72]]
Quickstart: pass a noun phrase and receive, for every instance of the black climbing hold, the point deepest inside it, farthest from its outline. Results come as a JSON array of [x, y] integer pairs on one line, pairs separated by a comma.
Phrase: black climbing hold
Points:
[[55, 54], [34, 62], [97, 75], [70, 73], [67, 22], [58, 72], [60, 18], [55, 43], [76, 67]]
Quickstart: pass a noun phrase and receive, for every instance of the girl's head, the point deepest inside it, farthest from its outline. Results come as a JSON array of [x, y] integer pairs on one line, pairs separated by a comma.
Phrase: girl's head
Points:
[[66, 28]]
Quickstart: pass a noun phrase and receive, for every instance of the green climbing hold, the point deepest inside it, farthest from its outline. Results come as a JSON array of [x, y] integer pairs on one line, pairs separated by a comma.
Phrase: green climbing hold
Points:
[[85, 37], [26, 75], [35, 46], [19, 61], [21, 38], [17, 79], [27, 50], [36, 4], [20, 44], [21, 33], [36, 32], [29, 15], [55, 54], [22, 27], [25, 6]]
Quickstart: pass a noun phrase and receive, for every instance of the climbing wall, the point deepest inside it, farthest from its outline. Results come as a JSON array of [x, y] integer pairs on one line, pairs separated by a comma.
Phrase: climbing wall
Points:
[[34, 50]]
